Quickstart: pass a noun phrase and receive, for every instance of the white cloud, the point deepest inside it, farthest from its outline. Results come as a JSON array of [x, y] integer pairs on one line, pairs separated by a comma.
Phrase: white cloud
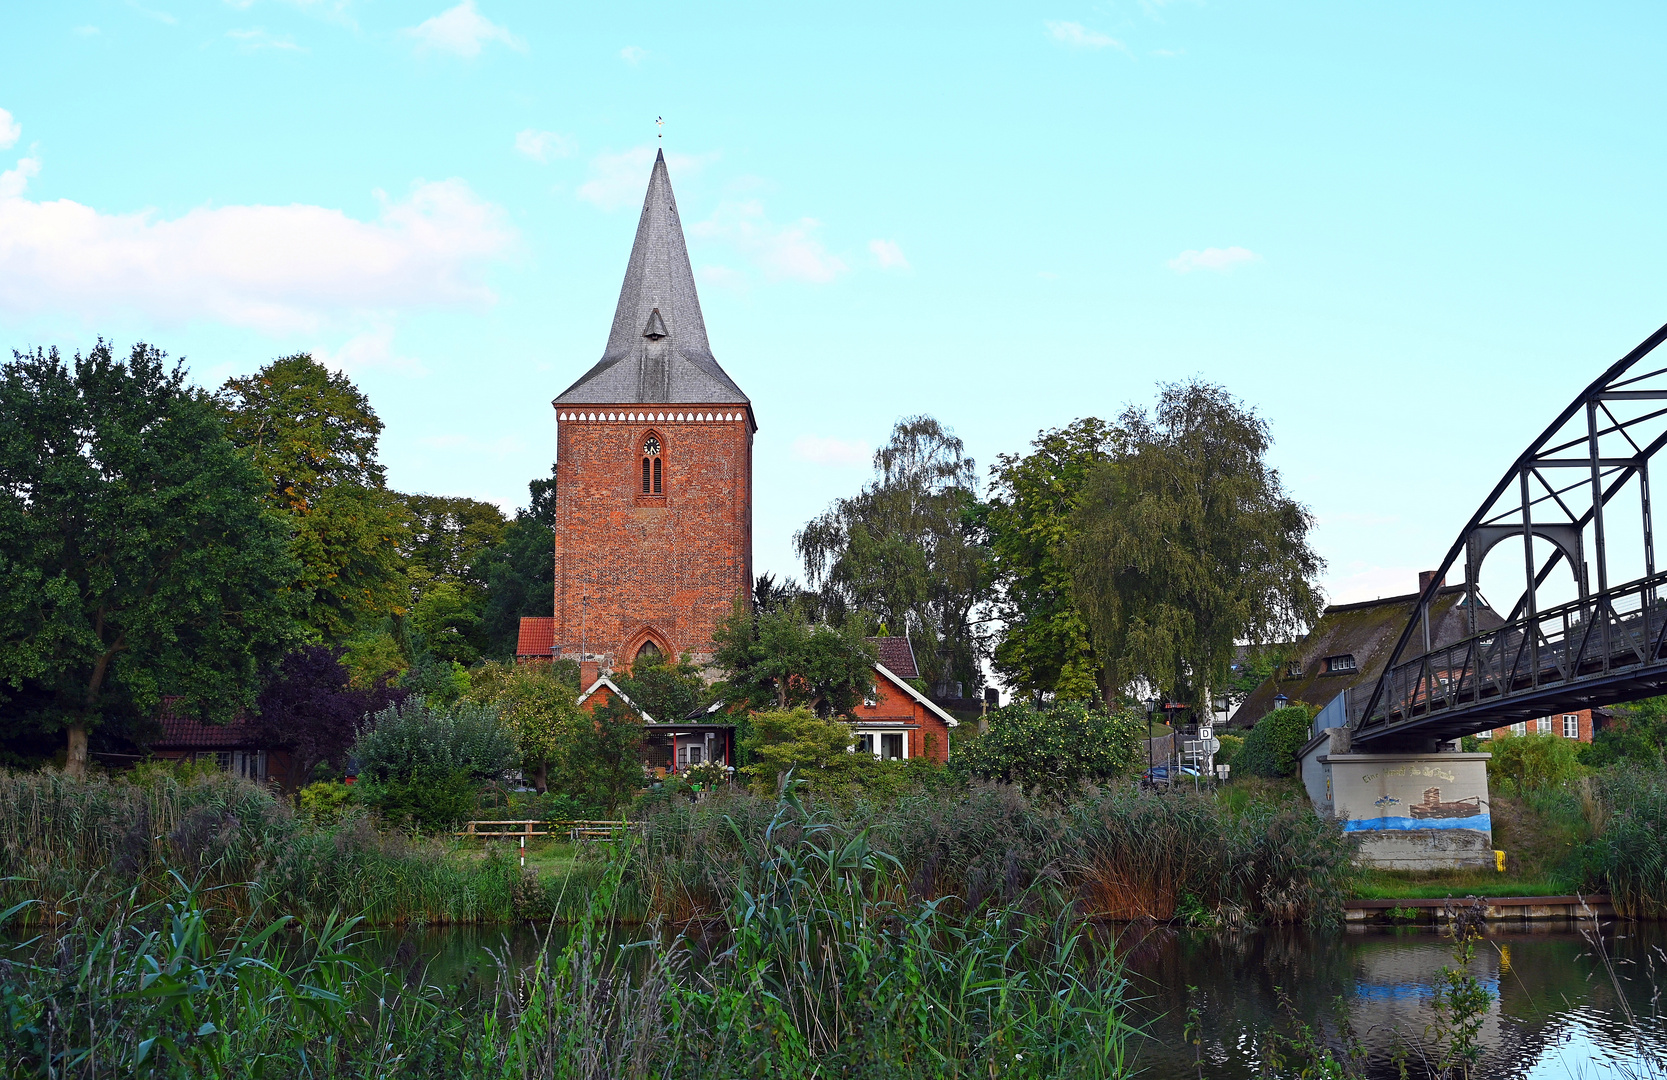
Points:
[[781, 251], [1220, 260], [825, 450], [620, 179], [372, 350], [279, 268], [888, 254], [1079, 36], [85, 31], [13, 182], [543, 145], [723, 277], [10, 130], [1168, 54], [461, 30], [256, 37], [632, 55]]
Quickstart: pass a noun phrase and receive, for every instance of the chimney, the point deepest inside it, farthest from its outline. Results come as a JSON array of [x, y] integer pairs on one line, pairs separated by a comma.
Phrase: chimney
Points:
[[1424, 579], [588, 673]]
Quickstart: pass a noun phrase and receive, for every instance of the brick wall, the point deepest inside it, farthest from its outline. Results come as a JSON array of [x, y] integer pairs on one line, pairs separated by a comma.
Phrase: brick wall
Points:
[[632, 568], [893, 708], [1533, 727]]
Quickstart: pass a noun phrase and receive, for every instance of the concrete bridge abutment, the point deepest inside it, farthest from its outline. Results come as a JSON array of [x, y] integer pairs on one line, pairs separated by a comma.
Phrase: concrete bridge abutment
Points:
[[1412, 809]]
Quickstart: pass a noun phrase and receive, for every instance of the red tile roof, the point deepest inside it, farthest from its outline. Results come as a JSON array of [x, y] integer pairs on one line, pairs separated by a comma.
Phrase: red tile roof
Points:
[[897, 655], [189, 733], [538, 636]]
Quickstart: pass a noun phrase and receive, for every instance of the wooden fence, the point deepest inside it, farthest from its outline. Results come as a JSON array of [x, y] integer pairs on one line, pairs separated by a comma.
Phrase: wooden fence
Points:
[[525, 829]]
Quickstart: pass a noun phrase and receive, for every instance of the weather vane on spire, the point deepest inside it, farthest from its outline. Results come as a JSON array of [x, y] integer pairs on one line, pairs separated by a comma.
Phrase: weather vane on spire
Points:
[[660, 122]]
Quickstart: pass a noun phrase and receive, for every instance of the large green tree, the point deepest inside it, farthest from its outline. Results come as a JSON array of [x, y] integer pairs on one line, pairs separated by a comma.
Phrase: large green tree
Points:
[[1045, 646], [1186, 544], [313, 436], [781, 659], [519, 571], [909, 548], [138, 557]]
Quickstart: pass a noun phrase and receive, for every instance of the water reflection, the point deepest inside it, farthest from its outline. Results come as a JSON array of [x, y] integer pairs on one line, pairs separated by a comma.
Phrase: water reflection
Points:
[[1555, 1012]]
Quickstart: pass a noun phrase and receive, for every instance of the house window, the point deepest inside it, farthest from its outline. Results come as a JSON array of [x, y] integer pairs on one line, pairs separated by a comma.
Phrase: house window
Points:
[[1544, 725], [891, 746], [692, 754], [223, 758], [871, 700], [1571, 725], [1338, 664], [1488, 734], [1293, 670], [652, 479], [865, 743], [1519, 728]]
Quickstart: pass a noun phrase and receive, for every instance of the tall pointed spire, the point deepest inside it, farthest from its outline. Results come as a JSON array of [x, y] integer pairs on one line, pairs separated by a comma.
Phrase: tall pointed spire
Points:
[[657, 349]]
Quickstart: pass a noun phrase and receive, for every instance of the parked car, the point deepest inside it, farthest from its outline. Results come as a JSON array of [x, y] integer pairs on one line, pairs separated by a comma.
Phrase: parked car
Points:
[[1159, 774]]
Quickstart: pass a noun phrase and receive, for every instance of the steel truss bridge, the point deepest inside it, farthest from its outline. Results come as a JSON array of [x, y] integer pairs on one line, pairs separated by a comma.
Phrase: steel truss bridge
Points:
[[1569, 524]]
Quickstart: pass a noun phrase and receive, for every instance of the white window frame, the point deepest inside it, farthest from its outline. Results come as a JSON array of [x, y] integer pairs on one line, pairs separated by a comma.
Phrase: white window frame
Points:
[[874, 735], [1519, 728], [1545, 725], [1571, 725], [1485, 733]]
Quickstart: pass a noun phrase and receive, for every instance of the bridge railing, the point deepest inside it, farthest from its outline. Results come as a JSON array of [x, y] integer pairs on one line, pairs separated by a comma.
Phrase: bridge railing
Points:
[[1584, 639]]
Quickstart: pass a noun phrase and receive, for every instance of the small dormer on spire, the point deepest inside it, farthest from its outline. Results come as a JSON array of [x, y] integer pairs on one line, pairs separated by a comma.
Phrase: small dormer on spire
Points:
[[656, 328]]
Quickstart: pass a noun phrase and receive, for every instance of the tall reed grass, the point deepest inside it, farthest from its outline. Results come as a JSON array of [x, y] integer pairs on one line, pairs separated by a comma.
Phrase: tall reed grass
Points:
[[73, 844], [1629, 851], [829, 968], [1123, 854]]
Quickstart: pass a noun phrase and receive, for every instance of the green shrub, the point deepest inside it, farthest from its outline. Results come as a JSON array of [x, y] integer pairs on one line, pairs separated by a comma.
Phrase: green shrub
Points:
[[1525, 763], [325, 801], [421, 765], [1271, 747], [1054, 753], [1229, 753]]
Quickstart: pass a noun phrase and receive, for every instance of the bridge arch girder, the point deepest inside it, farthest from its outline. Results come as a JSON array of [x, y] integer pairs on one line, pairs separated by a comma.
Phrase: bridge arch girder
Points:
[[1607, 644]]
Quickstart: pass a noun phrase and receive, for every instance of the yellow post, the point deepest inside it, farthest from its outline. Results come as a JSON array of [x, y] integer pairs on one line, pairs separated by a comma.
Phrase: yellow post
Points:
[[1499, 861]]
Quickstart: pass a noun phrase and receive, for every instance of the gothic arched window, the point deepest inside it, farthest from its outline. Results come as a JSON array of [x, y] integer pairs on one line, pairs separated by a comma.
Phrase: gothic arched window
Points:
[[652, 482]]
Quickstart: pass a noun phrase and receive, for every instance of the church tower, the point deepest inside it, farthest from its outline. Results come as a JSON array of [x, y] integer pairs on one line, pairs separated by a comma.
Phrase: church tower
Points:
[[653, 470]]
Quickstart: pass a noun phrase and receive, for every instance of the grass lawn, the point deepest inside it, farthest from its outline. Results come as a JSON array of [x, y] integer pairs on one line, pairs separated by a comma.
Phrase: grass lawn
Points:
[[1438, 884], [546, 856]]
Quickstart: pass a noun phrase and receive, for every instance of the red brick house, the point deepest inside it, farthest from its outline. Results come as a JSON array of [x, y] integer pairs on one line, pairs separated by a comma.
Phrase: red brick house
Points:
[[1570, 725], [232, 747], [899, 722], [653, 470]]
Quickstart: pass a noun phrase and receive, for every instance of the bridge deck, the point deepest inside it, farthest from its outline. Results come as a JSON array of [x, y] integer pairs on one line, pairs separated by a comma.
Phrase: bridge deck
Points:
[[1592, 652]]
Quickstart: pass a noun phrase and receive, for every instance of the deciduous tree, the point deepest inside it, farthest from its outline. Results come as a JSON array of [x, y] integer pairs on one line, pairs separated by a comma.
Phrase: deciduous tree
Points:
[[539, 702], [519, 571], [313, 435], [780, 659], [310, 708], [909, 549], [1186, 544], [137, 556], [1045, 646]]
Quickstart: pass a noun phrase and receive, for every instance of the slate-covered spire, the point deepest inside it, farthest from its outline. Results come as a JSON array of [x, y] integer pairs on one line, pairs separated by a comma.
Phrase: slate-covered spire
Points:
[[657, 349]]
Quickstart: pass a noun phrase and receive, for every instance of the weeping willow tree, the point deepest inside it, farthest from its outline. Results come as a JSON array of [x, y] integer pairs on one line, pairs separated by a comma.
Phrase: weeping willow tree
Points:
[[909, 549], [1186, 544]]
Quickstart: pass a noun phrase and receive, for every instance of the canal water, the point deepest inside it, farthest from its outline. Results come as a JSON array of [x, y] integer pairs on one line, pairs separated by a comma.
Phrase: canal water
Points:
[[1560, 1008]]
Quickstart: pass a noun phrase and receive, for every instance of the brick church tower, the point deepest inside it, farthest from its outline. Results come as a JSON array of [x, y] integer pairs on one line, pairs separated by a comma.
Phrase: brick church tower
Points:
[[653, 472]]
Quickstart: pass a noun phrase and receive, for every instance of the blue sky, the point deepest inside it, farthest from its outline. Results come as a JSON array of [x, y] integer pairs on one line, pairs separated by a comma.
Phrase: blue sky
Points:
[[1406, 233]]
